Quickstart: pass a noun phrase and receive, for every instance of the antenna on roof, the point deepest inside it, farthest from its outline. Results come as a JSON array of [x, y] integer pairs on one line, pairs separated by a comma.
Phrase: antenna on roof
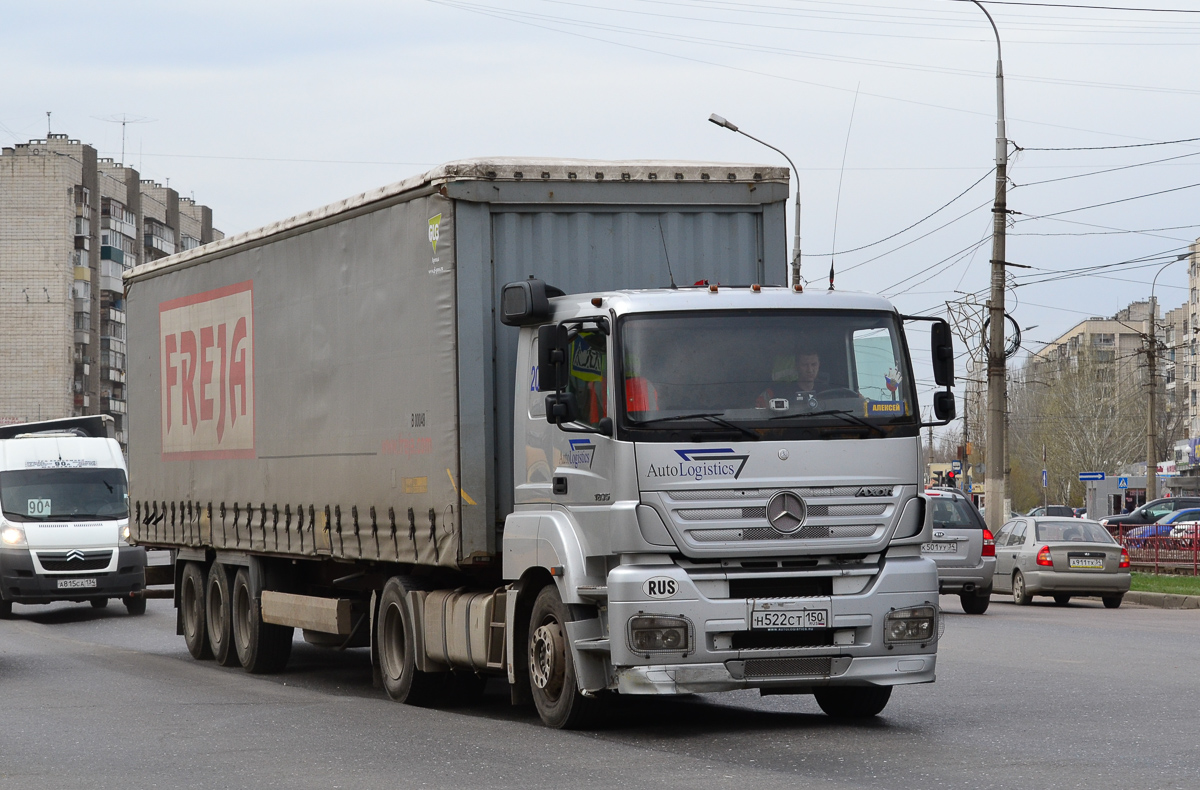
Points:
[[124, 119], [665, 255], [47, 124]]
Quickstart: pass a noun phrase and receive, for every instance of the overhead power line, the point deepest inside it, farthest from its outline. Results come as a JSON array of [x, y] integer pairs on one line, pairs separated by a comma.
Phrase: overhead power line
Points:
[[1092, 7], [1112, 147]]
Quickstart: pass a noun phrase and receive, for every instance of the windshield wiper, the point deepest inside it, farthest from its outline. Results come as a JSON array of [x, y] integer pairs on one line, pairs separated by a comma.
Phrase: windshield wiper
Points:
[[845, 415], [712, 417]]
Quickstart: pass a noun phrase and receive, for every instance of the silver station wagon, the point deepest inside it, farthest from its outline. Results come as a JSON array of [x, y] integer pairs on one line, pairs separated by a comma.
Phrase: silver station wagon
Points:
[[1060, 557]]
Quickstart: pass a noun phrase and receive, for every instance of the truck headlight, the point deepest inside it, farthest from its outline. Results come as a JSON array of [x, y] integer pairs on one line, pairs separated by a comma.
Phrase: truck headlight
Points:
[[12, 535], [916, 624], [657, 634]]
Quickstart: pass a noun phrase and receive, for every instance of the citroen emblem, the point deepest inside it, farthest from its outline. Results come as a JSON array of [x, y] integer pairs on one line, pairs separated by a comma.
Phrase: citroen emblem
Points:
[[75, 554], [786, 512]]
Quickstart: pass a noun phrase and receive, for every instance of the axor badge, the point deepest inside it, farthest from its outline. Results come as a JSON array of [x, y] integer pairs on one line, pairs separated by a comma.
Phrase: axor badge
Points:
[[660, 587]]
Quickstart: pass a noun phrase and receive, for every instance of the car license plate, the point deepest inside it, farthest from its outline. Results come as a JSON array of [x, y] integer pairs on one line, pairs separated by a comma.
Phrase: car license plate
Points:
[[803, 619], [1089, 563], [72, 584], [943, 547]]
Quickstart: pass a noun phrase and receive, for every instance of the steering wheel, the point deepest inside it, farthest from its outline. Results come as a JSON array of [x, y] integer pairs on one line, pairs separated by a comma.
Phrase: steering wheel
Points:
[[837, 392]]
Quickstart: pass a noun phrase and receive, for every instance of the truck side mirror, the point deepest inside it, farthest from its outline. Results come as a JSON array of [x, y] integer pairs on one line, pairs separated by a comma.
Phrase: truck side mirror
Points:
[[561, 407], [942, 345], [943, 405], [553, 355], [526, 302]]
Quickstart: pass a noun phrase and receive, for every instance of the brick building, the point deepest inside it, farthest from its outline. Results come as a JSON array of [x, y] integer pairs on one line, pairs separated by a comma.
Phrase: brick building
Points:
[[71, 223]]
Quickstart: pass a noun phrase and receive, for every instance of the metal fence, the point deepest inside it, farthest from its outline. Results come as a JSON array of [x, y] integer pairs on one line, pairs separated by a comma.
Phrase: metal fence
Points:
[[1164, 554]]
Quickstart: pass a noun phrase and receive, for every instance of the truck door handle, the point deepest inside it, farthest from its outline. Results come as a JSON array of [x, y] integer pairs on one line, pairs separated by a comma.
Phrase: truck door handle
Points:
[[560, 485]]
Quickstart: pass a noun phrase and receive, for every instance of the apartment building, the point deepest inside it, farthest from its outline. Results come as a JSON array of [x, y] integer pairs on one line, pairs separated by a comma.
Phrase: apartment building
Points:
[[71, 223]]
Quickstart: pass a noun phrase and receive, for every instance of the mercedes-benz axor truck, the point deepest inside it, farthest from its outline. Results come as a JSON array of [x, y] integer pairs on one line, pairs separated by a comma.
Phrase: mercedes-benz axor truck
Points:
[[541, 420], [64, 516]]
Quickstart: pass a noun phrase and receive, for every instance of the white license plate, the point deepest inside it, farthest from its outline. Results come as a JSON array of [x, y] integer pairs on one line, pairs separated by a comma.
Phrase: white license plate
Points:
[[789, 621], [939, 548], [1092, 563], [73, 584]]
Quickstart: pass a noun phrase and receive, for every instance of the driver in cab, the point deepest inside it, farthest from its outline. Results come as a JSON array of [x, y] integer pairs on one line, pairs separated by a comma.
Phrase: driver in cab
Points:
[[795, 376]]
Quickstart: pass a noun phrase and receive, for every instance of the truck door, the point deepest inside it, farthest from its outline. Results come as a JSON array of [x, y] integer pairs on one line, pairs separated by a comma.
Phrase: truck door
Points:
[[582, 462]]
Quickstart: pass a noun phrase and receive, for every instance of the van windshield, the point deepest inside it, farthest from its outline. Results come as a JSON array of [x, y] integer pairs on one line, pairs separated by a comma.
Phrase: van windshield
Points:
[[61, 494]]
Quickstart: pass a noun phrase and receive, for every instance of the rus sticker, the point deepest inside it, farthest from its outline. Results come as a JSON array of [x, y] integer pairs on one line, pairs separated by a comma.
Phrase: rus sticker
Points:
[[206, 361]]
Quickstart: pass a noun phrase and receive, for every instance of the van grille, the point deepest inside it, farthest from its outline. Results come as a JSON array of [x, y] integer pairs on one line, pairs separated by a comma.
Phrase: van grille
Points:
[[71, 561]]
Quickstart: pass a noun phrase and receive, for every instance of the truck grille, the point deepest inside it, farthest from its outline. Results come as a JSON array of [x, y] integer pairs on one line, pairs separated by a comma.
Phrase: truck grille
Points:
[[766, 533], [776, 640], [788, 667], [75, 560], [785, 587], [734, 513]]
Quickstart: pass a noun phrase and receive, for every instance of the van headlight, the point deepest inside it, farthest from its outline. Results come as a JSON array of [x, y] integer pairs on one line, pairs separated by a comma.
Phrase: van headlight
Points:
[[12, 535], [123, 534], [657, 634], [916, 624]]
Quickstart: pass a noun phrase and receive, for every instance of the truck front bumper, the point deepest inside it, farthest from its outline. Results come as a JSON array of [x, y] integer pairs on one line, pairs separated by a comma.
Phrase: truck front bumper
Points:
[[21, 583], [731, 675]]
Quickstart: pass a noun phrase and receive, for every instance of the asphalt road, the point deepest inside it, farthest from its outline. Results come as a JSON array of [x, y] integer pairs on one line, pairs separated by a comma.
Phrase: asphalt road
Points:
[[1036, 697]]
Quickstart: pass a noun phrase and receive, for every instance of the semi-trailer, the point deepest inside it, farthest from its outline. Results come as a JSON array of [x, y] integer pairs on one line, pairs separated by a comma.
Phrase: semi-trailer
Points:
[[543, 420]]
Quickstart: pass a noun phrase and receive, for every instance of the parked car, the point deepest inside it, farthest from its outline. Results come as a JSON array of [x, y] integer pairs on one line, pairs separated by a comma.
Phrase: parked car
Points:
[[1164, 526], [1186, 532], [1080, 512], [963, 549], [1051, 510], [1046, 555], [1150, 512]]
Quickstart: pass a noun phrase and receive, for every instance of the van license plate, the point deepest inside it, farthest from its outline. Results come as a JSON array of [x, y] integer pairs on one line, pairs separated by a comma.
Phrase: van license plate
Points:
[[73, 584], [804, 619], [939, 548]]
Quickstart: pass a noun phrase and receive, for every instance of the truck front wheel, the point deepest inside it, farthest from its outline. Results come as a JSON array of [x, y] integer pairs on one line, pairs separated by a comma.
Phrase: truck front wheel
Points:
[[220, 615], [397, 660], [262, 648], [853, 702], [552, 669], [191, 609]]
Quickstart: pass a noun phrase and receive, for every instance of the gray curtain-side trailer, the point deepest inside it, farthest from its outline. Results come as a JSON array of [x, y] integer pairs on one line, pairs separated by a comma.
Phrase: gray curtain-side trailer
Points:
[[338, 385]]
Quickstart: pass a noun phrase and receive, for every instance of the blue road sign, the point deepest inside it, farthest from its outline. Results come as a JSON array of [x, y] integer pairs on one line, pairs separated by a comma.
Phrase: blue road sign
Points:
[[1045, 478], [956, 465], [1091, 475], [1122, 482]]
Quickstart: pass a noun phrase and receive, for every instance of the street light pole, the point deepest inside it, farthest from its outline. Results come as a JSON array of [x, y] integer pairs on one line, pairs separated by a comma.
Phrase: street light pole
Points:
[[1151, 380], [997, 370], [719, 121]]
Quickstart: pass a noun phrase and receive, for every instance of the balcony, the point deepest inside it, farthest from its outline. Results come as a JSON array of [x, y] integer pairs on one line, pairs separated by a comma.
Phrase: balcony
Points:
[[112, 374], [110, 253], [112, 405], [110, 276]]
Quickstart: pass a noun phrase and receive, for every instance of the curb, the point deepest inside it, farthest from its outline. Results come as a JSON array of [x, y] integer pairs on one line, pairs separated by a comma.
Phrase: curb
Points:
[[1163, 600]]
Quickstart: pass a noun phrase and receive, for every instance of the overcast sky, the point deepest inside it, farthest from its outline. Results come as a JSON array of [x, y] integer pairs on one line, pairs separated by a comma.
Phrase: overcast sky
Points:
[[262, 110]]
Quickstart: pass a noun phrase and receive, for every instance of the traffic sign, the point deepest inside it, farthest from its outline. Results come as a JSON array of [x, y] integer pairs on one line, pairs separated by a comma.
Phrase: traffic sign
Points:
[[1091, 475], [1045, 478], [956, 465], [1122, 482]]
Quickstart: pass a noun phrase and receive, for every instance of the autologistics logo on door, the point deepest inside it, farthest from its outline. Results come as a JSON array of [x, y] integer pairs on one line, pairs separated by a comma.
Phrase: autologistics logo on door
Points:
[[702, 464]]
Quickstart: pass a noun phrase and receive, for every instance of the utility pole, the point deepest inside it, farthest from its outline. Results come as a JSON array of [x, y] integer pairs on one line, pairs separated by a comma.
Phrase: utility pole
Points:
[[997, 372], [1151, 417]]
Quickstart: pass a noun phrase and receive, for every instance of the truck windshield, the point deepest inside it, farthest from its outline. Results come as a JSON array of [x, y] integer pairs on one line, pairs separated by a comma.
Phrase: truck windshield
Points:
[[777, 374], [62, 494]]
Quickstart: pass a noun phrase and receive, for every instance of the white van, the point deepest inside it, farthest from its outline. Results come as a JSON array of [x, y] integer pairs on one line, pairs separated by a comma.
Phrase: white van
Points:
[[64, 516]]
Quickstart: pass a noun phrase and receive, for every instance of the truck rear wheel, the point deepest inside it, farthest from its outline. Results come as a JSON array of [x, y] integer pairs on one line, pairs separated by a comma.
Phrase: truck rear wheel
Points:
[[396, 643], [191, 610], [853, 702], [262, 648], [552, 668], [220, 615]]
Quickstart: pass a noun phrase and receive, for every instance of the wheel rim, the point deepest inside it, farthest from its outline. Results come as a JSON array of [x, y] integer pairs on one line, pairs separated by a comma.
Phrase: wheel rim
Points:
[[1019, 587], [216, 610], [241, 616], [392, 650], [191, 608], [547, 659]]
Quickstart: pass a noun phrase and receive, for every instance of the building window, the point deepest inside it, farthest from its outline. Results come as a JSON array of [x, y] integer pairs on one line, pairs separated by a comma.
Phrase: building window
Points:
[[1193, 397]]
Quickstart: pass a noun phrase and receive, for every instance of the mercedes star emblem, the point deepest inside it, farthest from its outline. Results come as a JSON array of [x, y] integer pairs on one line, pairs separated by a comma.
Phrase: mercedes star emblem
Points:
[[786, 512]]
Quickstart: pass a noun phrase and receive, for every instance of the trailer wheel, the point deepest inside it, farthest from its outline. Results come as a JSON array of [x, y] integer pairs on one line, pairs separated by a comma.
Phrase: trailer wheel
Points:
[[853, 702], [220, 615], [552, 668], [397, 661], [262, 648], [191, 606]]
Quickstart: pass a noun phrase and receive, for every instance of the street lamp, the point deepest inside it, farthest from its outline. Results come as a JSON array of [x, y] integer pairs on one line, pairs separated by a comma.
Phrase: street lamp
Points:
[[997, 370], [719, 121], [1151, 416]]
